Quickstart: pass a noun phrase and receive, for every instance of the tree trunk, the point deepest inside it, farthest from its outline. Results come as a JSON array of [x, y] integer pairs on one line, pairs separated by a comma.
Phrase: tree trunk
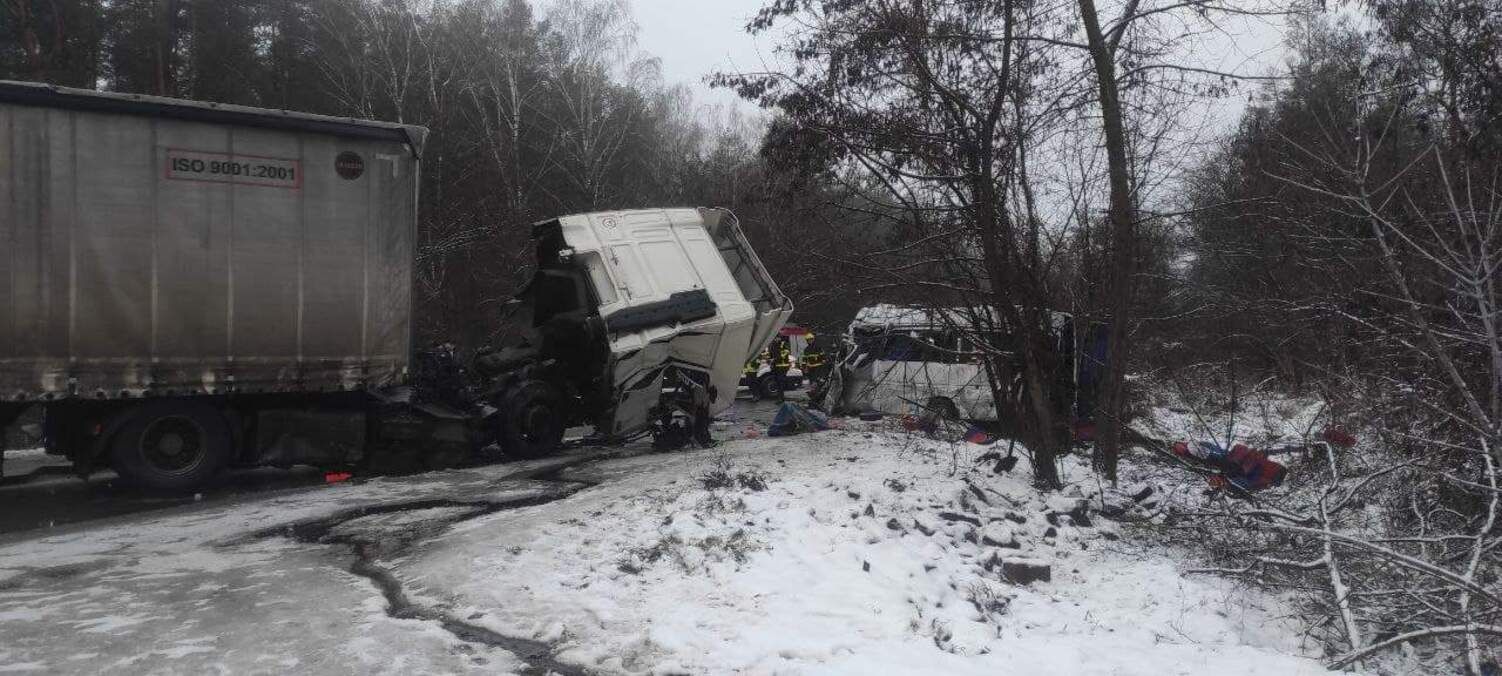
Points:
[[1123, 255], [29, 42], [166, 22], [991, 215]]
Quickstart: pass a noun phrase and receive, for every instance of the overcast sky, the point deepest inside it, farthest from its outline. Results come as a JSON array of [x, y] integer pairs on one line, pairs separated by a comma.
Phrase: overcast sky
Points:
[[696, 37]]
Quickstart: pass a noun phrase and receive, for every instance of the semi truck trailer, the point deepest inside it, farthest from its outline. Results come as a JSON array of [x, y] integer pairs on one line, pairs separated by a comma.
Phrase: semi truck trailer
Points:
[[189, 286]]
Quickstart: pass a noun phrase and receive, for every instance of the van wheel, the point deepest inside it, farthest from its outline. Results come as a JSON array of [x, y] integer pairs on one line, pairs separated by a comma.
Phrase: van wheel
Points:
[[172, 445], [532, 420]]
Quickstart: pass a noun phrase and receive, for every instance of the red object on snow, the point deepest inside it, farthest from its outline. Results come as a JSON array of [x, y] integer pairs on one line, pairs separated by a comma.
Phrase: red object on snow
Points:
[[1252, 470], [1084, 431], [976, 435], [1338, 436], [336, 477], [1244, 467]]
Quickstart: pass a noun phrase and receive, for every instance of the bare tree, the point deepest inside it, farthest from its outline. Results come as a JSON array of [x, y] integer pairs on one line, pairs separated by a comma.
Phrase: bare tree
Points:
[[593, 42], [1427, 573], [1153, 61], [919, 106]]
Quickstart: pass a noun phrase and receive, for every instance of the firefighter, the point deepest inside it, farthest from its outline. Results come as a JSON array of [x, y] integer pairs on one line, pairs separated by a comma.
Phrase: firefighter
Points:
[[749, 375], [813, 360], [782, 361]]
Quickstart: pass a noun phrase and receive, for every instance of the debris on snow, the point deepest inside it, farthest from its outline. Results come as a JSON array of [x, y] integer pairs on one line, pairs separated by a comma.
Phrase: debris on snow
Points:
[[951, 580], [1026, 571]]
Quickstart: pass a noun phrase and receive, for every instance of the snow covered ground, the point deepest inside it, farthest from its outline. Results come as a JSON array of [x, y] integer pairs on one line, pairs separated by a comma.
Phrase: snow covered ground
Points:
[[192, 592], [853, 551], [1261, 419], [861, 555]]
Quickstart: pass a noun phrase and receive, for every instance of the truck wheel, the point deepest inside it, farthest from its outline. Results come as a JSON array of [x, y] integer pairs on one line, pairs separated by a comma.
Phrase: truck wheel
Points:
[[172, 445], [532, 420]]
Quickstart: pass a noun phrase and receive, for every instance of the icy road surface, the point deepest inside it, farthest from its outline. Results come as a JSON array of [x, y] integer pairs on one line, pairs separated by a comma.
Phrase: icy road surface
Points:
[[858, 551]]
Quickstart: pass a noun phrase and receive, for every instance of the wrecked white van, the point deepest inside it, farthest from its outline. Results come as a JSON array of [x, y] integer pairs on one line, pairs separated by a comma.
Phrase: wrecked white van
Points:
[[908, 360]]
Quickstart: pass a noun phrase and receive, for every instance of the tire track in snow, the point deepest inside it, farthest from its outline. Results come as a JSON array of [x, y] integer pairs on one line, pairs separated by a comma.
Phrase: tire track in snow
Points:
[[369, 547]]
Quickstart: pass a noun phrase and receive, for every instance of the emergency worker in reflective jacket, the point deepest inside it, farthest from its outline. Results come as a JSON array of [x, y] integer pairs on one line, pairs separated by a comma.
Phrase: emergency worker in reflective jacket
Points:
[[782, 362]]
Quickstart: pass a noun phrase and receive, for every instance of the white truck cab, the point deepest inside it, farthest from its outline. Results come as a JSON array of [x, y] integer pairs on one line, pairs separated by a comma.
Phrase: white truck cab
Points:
[[627, 304]]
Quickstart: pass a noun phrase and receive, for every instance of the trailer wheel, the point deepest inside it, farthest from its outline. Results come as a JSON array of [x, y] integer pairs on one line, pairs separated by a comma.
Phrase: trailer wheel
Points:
[[532, 420], [172, 445]]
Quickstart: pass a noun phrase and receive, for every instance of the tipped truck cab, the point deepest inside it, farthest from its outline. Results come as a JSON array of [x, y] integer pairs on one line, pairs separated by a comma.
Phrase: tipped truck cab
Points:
[[641, 316]]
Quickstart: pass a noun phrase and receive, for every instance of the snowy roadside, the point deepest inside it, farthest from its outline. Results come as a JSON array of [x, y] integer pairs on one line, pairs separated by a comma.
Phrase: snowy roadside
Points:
[[192, 591], [863, 553], [857, 551]]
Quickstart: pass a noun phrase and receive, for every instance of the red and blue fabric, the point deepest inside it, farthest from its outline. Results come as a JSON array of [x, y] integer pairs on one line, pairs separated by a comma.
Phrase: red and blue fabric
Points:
[[976, 435]]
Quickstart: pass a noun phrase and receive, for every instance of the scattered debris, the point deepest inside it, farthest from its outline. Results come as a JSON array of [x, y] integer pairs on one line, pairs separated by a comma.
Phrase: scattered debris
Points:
[[1026, 571], [999, 535], [952, 517], [1246, 469]]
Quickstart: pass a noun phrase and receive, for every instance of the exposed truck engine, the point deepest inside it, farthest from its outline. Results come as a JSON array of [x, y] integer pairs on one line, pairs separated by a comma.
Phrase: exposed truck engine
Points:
[[191, 286]]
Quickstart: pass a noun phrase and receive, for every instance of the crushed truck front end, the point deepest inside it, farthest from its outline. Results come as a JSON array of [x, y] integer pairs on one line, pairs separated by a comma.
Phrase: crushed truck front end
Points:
[[646, 314]]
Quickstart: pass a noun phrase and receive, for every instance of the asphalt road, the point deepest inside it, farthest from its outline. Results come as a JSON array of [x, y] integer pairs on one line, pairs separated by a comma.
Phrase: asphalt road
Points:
[[39, 492]]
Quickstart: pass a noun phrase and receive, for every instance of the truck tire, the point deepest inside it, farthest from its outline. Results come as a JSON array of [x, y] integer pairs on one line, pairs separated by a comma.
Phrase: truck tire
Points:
[[532, 420], [172, 445]]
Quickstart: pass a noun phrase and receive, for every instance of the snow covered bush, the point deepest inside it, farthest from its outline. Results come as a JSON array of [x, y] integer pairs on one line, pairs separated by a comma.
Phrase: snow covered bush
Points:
[[722, 474], [1391, 547]]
